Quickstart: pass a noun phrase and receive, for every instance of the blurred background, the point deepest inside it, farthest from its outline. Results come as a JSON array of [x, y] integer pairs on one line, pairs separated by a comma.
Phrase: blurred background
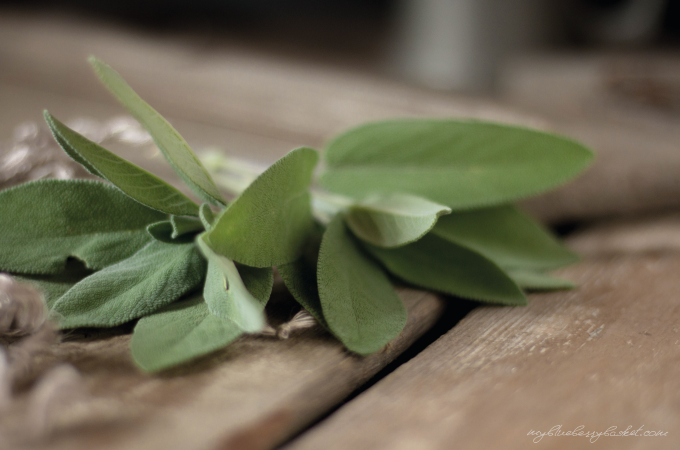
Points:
[[255, 78]]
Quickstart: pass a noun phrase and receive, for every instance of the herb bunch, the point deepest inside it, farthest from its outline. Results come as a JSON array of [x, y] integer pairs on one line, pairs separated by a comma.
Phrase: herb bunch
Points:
[[424, 201]]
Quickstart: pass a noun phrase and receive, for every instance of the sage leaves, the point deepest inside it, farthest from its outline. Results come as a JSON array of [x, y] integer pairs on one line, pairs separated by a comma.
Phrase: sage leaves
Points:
[[459, 164], [424, 202]]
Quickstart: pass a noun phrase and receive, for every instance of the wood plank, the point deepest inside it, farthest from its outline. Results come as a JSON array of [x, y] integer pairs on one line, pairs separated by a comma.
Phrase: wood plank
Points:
[[251, 395], [606, 354]]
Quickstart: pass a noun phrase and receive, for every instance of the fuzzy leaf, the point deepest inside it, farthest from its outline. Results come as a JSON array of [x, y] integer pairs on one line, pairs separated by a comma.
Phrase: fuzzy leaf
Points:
[[300, 277], [434, 263], [206, 215], [158, 274], [226, 295], [136, 182], [182, 226], [393, 220], [539, 281], [45, 222], [506, 236], [455, 163], [357, 299], [268, 223], [178, 333], [174, 147], [258, 281]]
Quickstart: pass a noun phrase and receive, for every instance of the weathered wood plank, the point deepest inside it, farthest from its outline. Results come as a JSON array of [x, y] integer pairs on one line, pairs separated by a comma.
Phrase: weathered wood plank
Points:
[[252, 395], [607, 354]]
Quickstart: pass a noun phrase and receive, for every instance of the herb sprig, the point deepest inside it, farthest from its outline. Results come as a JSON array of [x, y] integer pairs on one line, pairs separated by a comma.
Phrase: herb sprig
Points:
[[425, 201]]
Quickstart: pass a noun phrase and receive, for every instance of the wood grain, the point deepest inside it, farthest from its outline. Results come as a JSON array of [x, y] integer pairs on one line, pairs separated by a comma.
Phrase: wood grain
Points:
[[606, 354], [251, 395]]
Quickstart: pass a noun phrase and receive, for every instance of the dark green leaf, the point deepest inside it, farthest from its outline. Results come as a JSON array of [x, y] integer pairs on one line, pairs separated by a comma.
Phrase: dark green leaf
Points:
[[258, 281], [434, 263], [185, 225], [168, 140], [45, 222], [178, 333], [157, 275], [226, 295], [458, 164], [537, 280], [393, 220], [506, 236], [139, 184], [300, 277], [268, 223], [358, 301]]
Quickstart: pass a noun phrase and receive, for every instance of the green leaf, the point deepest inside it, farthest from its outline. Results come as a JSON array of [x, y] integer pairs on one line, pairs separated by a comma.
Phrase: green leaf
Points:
[[206, 215], [393, 220], [174, 147], [268, 223], [258, 281], [54, 286], [539, 281], [178, 333], [139, 184], [300, 277], [358, 301], [434, 263], [455, 163], [161, 231], [185, 225], [45, 222], [506, 236], [226, 295], [158, 274]]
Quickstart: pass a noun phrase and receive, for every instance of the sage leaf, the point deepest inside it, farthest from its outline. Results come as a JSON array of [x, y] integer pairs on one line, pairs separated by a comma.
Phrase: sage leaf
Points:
[[226, 295], [258, 281], [174, 147], [506, 236], [206, 215], [535, 280], [179, 333], [358, 301], [46, 222], [134, 181], [393, 220], [268, 223], [155, 276], [456, 163], [300, 277], [440, 265], [161, 231], [185, 225]]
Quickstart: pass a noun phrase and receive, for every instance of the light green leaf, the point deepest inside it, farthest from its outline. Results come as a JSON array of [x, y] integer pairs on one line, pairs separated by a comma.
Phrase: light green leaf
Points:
[[455, 163], [179, 333], [358, 301], [136, 182], [268, 223], [157, 275], [174, 147], [206, 215], [434, 263], [185, 225], [226, 295], [539, 281], [300, 277], [54, 286], [45, 222], [506, 236], [393, 220]]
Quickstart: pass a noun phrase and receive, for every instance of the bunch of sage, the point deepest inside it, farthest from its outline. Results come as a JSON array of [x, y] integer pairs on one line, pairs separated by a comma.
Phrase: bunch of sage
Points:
[[424, 201]]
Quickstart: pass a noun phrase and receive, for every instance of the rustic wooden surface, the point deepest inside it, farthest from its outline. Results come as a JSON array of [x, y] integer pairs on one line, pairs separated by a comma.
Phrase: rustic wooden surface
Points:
[[606, 354], [252, 395]]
